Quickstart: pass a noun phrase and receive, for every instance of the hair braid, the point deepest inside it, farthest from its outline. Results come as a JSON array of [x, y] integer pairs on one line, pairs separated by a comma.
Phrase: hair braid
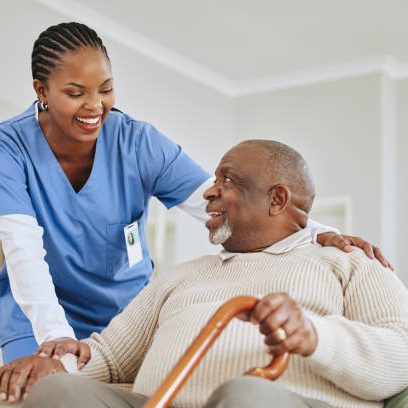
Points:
[[57, 40]]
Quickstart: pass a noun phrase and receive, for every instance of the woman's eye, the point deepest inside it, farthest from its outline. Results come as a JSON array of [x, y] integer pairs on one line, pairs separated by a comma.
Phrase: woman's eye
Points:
[[227, 180], [107, 91], [74, 95]]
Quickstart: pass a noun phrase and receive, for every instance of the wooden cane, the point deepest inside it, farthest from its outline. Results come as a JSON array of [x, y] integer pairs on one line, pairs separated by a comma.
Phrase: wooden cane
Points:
[[185, 366]]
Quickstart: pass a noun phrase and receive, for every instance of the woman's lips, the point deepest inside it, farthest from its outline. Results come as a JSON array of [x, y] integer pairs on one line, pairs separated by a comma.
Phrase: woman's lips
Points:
[[88, 123]]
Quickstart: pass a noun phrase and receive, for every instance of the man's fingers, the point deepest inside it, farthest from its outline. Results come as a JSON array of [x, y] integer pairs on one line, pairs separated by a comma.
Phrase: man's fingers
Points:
[[245, 316], [276, 320], [300, 342], [84, 355], [266, 306]]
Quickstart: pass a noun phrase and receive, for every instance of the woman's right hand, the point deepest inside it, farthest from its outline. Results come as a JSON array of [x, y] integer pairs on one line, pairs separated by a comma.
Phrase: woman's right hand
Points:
[[58, 347]]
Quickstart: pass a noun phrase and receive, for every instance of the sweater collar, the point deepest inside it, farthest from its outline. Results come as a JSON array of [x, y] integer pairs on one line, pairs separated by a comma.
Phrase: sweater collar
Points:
[[298, 239]]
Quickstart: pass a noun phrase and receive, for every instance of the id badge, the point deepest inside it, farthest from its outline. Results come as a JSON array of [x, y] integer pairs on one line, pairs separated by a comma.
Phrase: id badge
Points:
[[133, 245]]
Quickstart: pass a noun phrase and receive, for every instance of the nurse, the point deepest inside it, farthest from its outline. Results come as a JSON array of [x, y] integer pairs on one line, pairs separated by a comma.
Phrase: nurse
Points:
[[76, 176]]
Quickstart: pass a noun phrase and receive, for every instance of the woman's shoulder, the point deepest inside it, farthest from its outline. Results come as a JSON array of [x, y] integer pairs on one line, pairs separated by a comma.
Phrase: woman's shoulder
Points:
[[128, 127], [9, 127], [124, 119]]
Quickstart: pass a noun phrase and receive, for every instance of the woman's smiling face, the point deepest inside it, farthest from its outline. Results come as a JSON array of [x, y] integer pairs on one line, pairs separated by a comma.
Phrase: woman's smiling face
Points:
[[79, 93]]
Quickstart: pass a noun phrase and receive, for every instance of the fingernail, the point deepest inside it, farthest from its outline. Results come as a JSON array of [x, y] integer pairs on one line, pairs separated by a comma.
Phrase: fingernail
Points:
[[81, 366], [55, 357], [25, 396], [42, 354], [11, 398], [3, 396]]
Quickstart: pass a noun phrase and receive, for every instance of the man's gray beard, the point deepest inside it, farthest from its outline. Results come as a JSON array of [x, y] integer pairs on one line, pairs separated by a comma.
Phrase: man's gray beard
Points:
[[221, 234]]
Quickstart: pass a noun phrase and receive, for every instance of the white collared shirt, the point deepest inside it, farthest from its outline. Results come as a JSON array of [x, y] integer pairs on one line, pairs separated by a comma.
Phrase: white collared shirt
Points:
[[296, 240]]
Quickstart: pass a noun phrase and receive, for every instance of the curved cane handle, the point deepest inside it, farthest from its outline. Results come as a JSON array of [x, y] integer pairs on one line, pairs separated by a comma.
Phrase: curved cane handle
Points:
[[183, 369]]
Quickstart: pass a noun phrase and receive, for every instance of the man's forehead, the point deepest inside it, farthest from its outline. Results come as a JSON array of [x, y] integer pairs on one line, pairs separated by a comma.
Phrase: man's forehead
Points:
[[242, 156]]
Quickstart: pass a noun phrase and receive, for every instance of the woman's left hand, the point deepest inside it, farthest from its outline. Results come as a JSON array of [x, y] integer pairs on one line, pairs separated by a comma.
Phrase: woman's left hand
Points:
[[58, 347], [345, 243]]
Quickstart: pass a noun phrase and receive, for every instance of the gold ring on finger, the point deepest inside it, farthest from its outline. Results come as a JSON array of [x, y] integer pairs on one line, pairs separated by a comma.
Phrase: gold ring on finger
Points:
[[280, 334]]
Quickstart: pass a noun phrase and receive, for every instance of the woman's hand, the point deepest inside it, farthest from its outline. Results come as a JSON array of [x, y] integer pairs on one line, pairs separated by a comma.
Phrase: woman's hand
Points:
[[345, 243], [58, 347], [18, 377], [285, 327]]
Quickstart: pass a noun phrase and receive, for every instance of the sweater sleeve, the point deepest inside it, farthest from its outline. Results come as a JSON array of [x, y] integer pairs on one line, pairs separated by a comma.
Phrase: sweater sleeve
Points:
[[118, 351], [365, 352]]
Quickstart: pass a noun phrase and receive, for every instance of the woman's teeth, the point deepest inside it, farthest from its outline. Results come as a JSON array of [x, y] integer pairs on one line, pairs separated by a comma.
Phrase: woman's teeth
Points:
[[89, 121]]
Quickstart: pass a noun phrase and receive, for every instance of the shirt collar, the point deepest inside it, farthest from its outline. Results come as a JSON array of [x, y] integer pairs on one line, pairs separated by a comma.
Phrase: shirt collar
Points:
[[298, 239]]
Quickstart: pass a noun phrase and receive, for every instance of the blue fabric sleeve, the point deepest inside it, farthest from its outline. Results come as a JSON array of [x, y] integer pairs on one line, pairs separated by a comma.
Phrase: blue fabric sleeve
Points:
[[14, 198], [167, 172]]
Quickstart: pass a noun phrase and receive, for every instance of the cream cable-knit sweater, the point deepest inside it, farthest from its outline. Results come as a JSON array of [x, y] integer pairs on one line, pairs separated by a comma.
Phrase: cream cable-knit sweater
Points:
[[359, 309]]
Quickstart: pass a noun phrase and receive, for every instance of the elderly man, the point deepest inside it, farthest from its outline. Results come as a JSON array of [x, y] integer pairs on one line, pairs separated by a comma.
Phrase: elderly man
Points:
[[343, 316]]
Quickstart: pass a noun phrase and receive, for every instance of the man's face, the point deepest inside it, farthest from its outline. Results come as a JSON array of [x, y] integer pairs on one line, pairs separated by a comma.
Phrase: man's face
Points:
[[238, 201]]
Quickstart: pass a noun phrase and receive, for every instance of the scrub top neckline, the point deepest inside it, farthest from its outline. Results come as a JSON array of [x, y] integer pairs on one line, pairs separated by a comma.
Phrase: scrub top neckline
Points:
[[59, 168]]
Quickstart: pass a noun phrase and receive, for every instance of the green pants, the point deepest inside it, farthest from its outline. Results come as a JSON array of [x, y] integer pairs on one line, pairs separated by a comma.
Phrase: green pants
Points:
[[63, 391], [67, 391], [399, 401]]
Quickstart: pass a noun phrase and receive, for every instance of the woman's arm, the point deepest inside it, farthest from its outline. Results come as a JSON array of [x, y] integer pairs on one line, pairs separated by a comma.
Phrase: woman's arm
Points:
[[30, 281]]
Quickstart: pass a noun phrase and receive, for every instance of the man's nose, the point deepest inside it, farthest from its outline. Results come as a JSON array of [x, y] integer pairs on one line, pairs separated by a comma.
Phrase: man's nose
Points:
[[212, 193]]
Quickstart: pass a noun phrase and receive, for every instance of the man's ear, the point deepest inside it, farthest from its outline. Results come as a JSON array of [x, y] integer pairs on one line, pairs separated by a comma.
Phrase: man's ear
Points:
[[279, 196], [41, 90]]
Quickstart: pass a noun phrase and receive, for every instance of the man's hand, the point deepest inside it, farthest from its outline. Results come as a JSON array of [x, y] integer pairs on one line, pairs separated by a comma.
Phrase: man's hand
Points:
[[345, 243], [284, 325], [58, 347], [18, 377]]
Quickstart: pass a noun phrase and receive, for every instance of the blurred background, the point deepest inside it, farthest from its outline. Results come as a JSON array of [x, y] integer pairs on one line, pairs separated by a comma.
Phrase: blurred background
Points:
[[329, 78]]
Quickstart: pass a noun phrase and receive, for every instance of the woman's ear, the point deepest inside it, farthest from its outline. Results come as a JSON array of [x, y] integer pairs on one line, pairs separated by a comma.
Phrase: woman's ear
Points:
[[41, 90], [279, 197]]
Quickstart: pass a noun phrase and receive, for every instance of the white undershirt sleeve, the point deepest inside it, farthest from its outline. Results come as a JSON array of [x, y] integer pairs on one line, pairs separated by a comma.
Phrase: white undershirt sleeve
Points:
[[30, 281], [317, 228], [195, 205]]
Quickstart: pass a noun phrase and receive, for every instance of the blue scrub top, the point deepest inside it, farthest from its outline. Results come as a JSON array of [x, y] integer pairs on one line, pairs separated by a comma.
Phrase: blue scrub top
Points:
[[83, 232]]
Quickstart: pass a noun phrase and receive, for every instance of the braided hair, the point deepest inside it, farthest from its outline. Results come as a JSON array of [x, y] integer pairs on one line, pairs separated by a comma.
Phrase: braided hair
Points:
[[55, 41]]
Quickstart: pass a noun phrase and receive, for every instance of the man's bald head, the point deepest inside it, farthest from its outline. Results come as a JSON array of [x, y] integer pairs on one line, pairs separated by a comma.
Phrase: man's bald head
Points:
[[262, 194], [286, 166]]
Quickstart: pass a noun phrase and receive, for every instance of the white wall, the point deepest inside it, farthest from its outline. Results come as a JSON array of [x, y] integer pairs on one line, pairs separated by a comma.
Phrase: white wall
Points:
[[336, 126], [402, 104]]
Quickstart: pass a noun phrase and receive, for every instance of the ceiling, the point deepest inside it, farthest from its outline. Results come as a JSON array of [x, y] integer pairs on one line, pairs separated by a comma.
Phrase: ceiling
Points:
[[245, 40]]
